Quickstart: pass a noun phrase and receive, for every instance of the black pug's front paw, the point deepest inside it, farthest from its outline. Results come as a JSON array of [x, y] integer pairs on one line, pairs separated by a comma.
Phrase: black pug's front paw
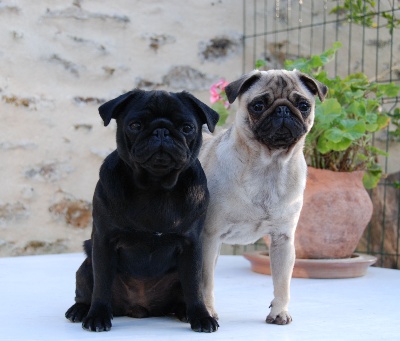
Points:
[[98, 319], [204, 324], [77, 312]]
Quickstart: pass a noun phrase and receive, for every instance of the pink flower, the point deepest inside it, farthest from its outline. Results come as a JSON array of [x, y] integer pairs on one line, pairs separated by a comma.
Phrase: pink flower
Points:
[[216, 91], [214, 95], [222, 84]]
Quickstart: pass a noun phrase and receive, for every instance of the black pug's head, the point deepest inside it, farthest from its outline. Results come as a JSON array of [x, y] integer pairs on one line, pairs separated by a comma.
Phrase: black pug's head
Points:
[[277, 106], [158, 133]]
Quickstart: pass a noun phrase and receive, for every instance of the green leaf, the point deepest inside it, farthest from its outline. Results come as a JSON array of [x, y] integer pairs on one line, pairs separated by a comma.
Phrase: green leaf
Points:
[[353, 129], [371, 117], [396, 113], [352, 135], [324, 145], [357, 108], [260, 63], [334, 135], [354, 107], [300, 64], [222, 111], [341, 146], [327, 111], [382, 121], [355, 93], [396, 184], [376, 150], [372, 105], [371, 178], [314, 62], [329, 54], [372, 127], [357, 78], [362, 157], [388, 90]]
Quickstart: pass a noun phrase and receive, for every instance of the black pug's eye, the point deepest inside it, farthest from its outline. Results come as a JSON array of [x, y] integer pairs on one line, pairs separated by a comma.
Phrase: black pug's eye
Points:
[[136, 126], [258, 107], [187, 128], [303, 106]]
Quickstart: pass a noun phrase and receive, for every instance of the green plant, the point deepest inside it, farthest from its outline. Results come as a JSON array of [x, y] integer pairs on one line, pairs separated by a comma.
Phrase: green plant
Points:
[[365, 13], [395, 120], [345, 123]]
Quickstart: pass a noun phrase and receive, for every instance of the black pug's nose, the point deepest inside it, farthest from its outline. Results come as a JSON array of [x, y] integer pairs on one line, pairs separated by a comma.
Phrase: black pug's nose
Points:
[[283, 111], [161, 133]]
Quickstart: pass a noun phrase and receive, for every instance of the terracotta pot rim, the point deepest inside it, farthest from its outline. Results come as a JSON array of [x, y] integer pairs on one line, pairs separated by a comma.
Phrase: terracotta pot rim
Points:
[[332, 171], [355, 266], [355, 257]]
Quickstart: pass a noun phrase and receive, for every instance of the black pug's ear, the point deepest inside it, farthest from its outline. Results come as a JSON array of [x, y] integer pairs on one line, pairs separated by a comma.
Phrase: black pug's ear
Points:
[[315, 87], [113, 108], [207, 114], [236, 88]]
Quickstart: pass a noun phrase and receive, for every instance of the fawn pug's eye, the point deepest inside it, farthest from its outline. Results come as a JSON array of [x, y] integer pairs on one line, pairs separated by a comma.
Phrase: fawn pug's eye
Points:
[[258, 106], [303, 106]]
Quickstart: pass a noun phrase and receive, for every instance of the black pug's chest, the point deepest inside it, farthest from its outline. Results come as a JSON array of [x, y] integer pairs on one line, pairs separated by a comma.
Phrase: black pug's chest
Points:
[[153, 227], [160, 212], [131, 207], [146, 254]]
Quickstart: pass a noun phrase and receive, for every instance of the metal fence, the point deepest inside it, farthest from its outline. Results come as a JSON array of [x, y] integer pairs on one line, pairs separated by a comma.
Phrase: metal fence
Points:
[[289, 29]]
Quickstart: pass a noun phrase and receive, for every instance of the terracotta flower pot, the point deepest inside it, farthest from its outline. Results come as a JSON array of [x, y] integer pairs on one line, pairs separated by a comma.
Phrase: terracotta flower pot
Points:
[[336, 211]]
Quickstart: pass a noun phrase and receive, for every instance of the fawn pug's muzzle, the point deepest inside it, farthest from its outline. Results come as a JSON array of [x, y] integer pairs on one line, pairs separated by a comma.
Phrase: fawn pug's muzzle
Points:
[[280, 126]]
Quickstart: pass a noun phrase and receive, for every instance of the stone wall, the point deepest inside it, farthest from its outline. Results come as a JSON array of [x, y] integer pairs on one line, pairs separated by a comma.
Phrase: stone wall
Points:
[[59, 60]]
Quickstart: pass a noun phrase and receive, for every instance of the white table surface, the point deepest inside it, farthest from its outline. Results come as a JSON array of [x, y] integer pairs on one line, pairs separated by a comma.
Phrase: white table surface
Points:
[[36, 291]]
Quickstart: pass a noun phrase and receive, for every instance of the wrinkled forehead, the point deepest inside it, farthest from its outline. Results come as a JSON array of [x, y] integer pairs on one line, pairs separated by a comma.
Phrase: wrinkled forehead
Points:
[[280, 84], [159, 105], [161, 101]]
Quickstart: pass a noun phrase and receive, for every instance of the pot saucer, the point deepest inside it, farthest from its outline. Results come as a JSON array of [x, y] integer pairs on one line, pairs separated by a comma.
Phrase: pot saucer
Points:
[[355, 266]]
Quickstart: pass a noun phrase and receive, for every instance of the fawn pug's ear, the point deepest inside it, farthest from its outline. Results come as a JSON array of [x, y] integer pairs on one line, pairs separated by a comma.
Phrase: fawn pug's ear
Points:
[[314, 86], [236, 88]]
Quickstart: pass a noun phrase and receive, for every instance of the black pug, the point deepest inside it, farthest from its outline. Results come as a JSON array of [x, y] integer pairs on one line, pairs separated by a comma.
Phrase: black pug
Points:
[[144, 257]]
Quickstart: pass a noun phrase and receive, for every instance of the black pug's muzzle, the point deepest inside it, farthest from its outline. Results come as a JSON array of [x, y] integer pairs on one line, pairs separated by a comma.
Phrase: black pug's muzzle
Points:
[[161, 150], [281, 128]]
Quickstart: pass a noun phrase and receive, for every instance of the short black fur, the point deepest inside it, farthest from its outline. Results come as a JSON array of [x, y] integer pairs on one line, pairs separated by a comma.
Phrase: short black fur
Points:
[[144, 257]]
